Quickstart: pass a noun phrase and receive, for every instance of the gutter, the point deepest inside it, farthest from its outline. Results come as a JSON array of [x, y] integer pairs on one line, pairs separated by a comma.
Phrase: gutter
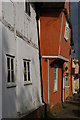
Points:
[[61, 33], [37, 18], [62, 87]]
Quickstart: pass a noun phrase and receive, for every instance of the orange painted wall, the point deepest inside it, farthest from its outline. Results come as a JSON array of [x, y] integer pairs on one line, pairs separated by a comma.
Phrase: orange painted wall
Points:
[[55, 97], [45, 79], [65, 45], [50, 25], [50, 28]]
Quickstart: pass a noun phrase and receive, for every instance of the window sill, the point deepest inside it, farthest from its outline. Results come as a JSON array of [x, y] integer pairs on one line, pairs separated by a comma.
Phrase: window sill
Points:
[[10, 85], [27, 83]]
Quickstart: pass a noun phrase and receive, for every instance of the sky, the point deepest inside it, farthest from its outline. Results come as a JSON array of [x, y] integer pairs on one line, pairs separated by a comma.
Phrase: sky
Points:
[[74, 20]]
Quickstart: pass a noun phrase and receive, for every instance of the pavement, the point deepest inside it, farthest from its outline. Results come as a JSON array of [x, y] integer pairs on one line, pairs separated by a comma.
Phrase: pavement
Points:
[[70, 109]]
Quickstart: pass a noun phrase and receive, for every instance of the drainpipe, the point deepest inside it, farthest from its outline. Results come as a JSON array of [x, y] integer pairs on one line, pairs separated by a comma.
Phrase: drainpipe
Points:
[[48, 81], [59, 54], [62, 86], [38, 32], [71, 71]]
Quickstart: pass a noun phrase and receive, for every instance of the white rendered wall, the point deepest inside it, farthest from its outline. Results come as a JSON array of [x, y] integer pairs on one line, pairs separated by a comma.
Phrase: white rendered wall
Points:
[[0, 62], [9, 94], [17, 25]]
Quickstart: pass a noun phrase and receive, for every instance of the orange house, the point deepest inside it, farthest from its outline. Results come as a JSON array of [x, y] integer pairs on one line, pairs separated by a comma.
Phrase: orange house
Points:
[[55, 34]]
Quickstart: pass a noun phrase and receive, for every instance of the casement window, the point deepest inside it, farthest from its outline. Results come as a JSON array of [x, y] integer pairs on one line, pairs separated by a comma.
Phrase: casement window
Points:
[[66, 75], [27, 7], [66, 31], [27, 77], [55, 78], [10, 70]]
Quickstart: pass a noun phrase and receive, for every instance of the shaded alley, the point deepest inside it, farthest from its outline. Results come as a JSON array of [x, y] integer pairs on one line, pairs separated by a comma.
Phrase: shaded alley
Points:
[[70, 109]]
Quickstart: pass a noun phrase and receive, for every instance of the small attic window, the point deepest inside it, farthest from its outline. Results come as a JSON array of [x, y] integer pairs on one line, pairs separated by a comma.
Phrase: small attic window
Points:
[[27, 7], [66, 36]]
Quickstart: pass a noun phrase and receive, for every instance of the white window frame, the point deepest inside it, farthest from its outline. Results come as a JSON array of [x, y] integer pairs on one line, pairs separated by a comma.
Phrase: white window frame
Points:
[[56, 88], [67, 76], [27, 81], [28, 16], [66, 35], [10, 84]]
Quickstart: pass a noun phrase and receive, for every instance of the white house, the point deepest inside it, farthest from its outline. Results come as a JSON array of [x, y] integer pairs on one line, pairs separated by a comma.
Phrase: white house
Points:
[[0, 63], [21, 82], [75, 76]]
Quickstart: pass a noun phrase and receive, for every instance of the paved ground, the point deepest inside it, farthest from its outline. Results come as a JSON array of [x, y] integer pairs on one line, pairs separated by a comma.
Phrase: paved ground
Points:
[[71, 109]]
